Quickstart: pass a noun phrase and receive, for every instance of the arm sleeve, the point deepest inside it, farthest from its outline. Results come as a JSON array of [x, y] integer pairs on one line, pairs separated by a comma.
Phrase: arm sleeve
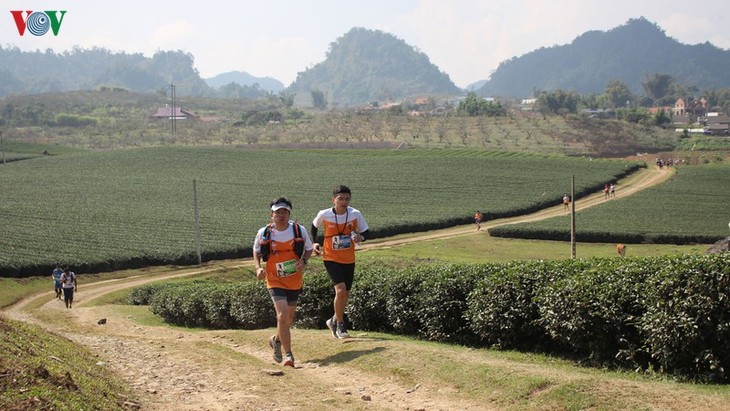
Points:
[[365, 235], [314, 233]]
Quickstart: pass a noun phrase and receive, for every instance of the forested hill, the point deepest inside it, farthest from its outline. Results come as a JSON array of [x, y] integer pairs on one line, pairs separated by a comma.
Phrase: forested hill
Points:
[[85, 69], [365, 65], [627, 53]]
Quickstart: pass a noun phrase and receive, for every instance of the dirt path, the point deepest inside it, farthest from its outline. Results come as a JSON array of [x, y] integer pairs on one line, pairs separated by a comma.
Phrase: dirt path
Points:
[[636, 182], [182, 369]]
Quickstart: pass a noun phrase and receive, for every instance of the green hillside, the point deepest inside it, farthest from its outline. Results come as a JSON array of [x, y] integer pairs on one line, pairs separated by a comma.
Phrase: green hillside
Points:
[[364, 66], [628, 53]]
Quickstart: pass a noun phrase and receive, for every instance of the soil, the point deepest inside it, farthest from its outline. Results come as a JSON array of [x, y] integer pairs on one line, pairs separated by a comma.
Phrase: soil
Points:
[[185, 369]]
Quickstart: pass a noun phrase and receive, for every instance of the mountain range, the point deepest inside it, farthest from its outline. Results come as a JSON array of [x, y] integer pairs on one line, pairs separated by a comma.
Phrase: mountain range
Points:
[[364, 66], [628, 53], [244, 79]]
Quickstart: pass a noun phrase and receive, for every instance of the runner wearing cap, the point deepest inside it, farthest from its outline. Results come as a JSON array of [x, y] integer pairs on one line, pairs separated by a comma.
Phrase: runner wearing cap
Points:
[[278, 244]]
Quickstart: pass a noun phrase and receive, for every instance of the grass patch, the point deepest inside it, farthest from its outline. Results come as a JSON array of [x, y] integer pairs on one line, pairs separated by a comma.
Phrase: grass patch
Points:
[[16, 288], [481, 248], [39, 370], [504, 379]]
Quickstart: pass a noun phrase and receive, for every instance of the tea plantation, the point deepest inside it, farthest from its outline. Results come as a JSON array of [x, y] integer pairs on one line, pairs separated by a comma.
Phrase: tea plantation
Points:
[[105, 210]]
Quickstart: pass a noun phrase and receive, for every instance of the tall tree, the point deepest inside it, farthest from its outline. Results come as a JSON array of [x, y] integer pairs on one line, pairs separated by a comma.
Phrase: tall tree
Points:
[[657, 85], [558, 102], [618, 94], [319, 100]]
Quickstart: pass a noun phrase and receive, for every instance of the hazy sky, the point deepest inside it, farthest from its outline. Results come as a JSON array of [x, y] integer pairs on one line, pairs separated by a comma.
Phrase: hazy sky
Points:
[[467, 39]]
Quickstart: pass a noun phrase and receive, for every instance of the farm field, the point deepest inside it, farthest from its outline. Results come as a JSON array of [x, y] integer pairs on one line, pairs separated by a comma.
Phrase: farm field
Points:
[[103, 210], [692, 205]]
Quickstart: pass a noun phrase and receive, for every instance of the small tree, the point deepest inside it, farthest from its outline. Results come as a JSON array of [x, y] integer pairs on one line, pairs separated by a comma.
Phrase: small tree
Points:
[[319, 100]]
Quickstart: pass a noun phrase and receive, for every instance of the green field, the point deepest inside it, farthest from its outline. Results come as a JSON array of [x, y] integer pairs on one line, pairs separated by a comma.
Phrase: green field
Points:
[[110, 209], [693, 206]]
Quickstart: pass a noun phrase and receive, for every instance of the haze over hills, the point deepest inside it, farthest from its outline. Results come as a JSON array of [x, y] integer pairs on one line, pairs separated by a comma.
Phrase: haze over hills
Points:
[[364, 66], [627, 53], [244, 79]]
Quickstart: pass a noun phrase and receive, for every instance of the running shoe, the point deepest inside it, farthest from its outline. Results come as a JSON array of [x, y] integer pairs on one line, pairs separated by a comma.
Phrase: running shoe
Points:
[[276, 346], [332, 325], [289, 361], [342, 331]]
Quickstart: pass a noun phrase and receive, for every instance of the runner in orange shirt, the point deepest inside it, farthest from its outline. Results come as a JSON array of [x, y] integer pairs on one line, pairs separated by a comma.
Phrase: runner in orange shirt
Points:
[[344, 227], [276, 244], [478, 220]]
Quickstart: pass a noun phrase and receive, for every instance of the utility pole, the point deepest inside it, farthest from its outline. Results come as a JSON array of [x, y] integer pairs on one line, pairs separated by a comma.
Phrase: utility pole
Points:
[[572, 217], [173, 114], [2, 146], [197, 225]]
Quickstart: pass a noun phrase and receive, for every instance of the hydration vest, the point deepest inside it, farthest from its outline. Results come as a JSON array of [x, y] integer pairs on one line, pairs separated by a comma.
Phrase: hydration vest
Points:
[[266, 241]]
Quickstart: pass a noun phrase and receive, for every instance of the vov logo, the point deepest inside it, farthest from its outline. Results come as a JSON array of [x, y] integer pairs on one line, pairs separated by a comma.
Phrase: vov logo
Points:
[[38, 22]]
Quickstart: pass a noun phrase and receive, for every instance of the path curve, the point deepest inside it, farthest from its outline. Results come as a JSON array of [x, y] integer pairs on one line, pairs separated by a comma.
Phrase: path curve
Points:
[[171, 369], [634, 183]]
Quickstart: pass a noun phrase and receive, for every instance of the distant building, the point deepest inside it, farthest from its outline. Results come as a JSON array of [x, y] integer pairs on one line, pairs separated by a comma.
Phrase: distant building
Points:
[[656, 110], [690, 106], [179, 114], [527, 104], [718, 124]]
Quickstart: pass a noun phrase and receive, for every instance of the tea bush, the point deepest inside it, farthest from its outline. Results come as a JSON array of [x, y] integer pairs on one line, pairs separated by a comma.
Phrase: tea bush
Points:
[[687, 324], [593, 312], [442, 303], [366, 307], [670, 314]]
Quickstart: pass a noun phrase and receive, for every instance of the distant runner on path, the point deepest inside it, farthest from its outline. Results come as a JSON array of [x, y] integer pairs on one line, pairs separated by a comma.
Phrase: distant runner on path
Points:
[[68, 281], [56, 276]]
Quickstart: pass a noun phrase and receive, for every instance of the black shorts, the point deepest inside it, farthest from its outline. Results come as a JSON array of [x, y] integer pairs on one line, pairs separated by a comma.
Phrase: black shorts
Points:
[[291, 296], [340, 273]]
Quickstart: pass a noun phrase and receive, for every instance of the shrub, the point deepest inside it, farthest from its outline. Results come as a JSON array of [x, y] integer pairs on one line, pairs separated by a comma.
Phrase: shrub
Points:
[[687, 323], [143, 294], [442, 303], [502, 307], [593, 312], [251, 306], [401, 300], [217, 306], [366, 306], [167, 303], [315, 303]]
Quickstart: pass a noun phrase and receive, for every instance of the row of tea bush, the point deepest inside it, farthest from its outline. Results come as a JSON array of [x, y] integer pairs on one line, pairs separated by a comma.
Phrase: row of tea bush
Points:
[[669, 315]]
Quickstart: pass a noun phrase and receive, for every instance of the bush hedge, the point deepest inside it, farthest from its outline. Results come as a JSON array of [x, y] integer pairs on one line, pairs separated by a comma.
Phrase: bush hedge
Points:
[[669, 315]]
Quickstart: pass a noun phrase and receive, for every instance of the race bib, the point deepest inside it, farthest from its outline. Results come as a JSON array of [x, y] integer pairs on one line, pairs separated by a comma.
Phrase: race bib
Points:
[[341, 242], [286, 268]]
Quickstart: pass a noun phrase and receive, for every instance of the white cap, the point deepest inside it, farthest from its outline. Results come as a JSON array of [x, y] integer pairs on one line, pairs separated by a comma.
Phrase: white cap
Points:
[[278, 206]]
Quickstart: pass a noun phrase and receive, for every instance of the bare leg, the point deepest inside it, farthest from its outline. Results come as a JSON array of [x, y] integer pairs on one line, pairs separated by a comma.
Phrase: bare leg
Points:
[[284, 320], [341, 296]]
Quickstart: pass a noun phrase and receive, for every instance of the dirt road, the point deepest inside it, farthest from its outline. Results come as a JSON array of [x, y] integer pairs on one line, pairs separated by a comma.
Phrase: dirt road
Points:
[[183, 369], [633, 184]]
